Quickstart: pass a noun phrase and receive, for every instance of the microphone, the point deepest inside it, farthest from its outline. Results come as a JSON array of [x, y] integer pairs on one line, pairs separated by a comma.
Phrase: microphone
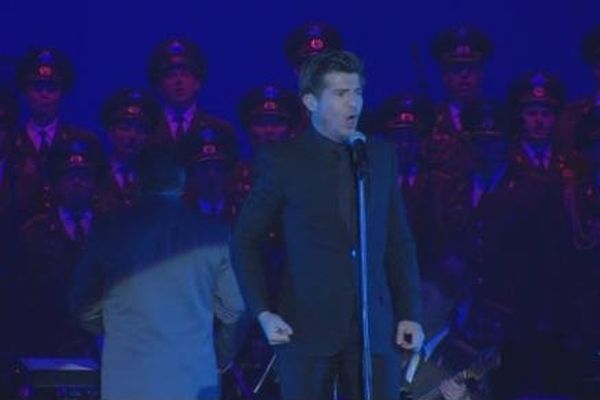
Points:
[[358, 153]]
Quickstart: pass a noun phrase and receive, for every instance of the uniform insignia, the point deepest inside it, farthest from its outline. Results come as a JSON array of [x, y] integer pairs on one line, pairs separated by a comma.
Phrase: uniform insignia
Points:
[[45, 71], [316, 44]]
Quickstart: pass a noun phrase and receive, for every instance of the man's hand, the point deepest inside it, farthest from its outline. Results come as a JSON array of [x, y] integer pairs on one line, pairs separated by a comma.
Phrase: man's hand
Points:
[[275, 328], [409, 335], [452, 390]]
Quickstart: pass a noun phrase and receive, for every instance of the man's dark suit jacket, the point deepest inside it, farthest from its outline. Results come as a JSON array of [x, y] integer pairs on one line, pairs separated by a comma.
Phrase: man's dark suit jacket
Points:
[[299, 181]]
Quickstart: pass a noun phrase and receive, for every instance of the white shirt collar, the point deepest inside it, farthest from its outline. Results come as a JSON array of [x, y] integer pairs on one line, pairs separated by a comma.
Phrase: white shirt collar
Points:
[[532, 153], [68, 220], [33, 130], [455, 110], [172, 117], [480, 186], [118, 169]]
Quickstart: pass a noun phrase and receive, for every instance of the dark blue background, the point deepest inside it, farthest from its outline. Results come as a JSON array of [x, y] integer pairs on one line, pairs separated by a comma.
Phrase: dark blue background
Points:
[[109, 41]]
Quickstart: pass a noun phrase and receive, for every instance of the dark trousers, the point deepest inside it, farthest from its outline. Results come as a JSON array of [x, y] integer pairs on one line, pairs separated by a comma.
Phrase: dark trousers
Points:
[[307, 377]]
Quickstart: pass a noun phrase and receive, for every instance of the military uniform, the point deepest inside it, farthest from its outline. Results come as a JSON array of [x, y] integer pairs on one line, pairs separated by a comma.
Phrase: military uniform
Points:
[[140, 112], [209, 158], [572, 114], [574, 111], [582, 202], [270, 114], [405, 121], [9, 260], [480, 209], [176, 123], [585, 184], [53, 244], [540, 175], [547, 162], [241, 184], [309, 39], [455, 49], [8, 117], [31, 185], [199, 122], [537, 274], [32, 143], [51, 256]]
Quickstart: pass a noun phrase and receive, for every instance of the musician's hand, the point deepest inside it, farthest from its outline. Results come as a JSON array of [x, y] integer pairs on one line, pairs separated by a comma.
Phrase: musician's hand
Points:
[[452, 390], [276, 330], [409, 335]]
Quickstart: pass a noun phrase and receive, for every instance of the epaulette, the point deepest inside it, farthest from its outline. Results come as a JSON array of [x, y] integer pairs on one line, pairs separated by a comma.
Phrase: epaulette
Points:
[[31, 222]]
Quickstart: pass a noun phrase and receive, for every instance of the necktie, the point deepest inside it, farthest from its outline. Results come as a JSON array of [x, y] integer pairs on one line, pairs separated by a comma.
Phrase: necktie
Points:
[[541, 158], [44, 145], [79, 233], [486, 188], [128, 181], [179, 126], [456, 122], [125, 179]]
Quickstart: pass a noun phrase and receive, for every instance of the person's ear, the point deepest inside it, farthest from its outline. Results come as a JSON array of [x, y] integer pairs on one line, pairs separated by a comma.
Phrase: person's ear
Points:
[[310, 102]]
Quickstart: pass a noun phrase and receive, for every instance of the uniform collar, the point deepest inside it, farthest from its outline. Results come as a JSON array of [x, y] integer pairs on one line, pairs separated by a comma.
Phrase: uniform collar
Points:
[[173, 114], [492, 182], [33, 131]]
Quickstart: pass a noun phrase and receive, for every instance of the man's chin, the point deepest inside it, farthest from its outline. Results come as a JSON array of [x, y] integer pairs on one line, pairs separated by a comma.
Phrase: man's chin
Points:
[[346, 134], [182, 101], [467, 95]]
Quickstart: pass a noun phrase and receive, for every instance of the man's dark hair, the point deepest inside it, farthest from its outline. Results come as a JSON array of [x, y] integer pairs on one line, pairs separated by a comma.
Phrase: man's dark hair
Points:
[[160, 169], [319, 65]]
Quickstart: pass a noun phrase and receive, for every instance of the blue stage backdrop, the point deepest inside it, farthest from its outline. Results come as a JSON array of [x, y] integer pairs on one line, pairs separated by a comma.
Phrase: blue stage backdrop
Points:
[[109, 42]]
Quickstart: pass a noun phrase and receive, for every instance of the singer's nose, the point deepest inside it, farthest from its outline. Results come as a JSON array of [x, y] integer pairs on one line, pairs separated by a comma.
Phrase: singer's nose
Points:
[[355, 101]]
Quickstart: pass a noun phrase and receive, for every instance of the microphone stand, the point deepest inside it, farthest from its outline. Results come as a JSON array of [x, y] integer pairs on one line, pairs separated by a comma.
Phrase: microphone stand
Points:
[[359, 162]]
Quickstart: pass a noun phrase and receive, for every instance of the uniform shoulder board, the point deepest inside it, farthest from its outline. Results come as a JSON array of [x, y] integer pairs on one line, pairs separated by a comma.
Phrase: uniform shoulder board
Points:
[[441, 174], [215, 123], [33, 221]]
